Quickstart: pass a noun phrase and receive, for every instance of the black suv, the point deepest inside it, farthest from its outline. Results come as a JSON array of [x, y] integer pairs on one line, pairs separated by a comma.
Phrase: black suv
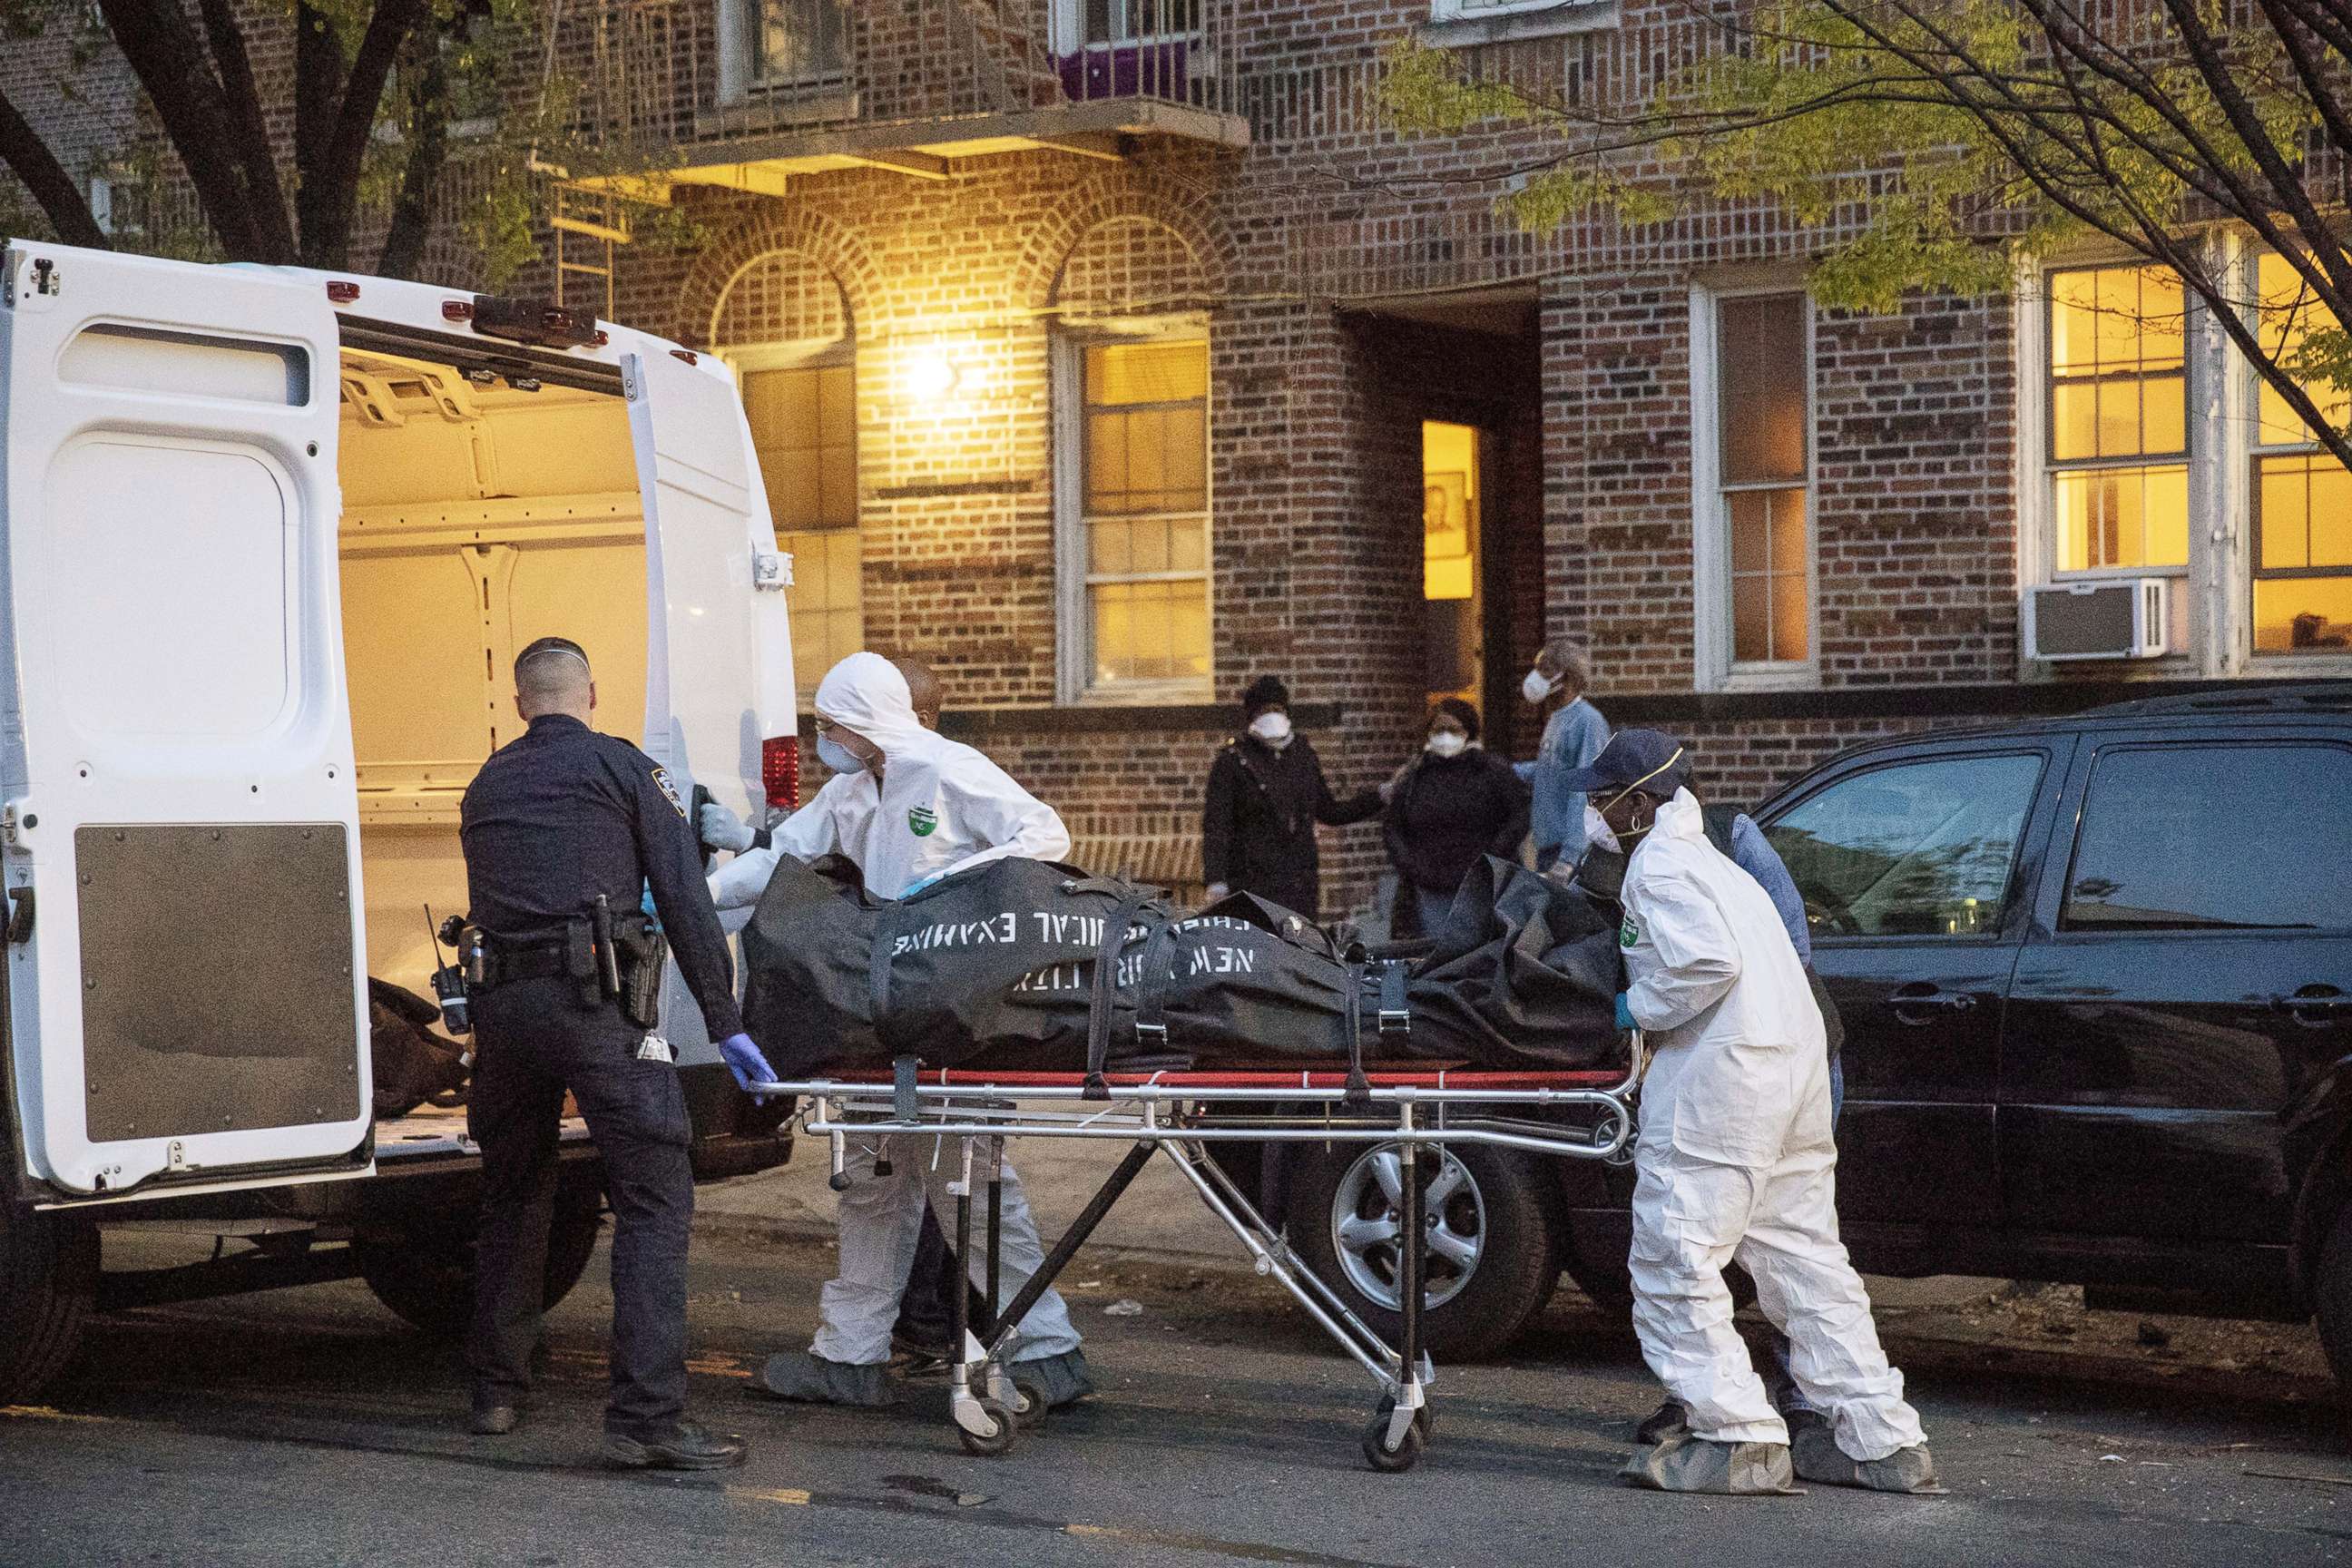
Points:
[[2096, 980]]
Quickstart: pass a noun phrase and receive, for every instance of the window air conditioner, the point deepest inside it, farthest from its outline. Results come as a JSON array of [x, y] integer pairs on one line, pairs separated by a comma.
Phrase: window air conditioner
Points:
[[2119, 618]]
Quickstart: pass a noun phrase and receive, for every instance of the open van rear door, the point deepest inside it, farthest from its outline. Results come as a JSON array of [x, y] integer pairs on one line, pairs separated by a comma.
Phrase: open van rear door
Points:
[[718, 680], [180, 823]]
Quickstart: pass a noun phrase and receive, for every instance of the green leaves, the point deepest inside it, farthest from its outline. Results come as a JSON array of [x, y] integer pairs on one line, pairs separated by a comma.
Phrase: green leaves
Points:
[[1936, 144]]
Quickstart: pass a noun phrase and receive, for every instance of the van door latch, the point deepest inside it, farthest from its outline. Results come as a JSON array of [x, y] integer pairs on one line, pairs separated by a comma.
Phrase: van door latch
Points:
[[769, 570]]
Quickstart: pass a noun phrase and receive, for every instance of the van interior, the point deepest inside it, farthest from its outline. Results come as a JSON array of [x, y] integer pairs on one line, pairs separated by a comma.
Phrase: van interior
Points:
[[479, 512]]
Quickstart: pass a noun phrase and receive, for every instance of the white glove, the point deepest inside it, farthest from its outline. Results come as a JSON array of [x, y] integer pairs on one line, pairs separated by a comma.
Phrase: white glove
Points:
[[1217, 891], [722, 830]]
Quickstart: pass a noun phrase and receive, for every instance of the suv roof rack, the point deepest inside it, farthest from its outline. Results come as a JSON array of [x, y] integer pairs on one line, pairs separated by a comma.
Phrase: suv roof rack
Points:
[[2330, 696]]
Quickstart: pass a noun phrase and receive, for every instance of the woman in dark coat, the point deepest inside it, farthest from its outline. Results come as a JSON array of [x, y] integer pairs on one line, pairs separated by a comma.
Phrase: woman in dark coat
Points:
[[1452, 804], [1266, 791]]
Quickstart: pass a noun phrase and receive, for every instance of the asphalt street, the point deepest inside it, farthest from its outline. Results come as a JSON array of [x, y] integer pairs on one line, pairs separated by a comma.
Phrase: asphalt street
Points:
[[307, 1426]]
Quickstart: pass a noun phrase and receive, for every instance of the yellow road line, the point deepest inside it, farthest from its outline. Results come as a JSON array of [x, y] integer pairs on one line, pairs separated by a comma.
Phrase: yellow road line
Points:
[[47, 1413]]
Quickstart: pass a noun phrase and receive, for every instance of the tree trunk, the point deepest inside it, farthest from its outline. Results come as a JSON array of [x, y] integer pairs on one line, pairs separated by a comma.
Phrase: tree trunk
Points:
[[428, 151], [63, 202], [331, 186]]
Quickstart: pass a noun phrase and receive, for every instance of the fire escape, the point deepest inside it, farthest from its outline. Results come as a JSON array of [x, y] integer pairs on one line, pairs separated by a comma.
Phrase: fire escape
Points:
[[747, 94]]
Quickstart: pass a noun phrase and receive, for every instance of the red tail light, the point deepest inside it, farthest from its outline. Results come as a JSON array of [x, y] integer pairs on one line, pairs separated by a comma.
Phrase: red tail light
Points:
[[779, 770]]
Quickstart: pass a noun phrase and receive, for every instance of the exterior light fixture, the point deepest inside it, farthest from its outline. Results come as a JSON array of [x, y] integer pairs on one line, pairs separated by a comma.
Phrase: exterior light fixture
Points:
[[930, 376]]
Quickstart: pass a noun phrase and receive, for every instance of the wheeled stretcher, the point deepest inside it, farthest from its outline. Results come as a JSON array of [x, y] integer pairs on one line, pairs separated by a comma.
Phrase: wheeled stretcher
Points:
[[1584, 1115]]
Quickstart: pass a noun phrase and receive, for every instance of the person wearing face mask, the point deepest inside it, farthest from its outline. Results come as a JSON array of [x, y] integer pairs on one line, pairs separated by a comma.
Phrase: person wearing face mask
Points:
[[1736, 1162], [905, 802], [1454, 803], [1266, 791], [1735, 835], [909, 807], [1573, 734]]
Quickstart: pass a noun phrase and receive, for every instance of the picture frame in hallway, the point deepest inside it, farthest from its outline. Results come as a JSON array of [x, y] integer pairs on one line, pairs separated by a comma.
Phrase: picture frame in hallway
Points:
[[1445, 529]]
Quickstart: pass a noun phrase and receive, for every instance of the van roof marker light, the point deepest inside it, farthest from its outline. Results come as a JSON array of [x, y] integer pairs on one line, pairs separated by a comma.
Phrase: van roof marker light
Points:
[[342, 290]]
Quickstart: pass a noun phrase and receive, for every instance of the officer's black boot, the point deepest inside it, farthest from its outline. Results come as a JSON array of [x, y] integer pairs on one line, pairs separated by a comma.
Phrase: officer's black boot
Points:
[[688, 1446]]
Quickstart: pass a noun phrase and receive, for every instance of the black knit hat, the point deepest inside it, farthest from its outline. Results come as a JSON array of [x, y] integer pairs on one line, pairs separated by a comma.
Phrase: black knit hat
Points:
[[1266, 691], [1459, 709]]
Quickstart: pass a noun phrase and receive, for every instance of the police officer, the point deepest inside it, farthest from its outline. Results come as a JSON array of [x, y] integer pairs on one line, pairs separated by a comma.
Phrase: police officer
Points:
[[558, 820]]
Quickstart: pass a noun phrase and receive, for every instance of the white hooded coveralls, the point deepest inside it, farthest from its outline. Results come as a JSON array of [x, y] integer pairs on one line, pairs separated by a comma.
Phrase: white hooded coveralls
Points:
[[975, 813], [1736, 1159], [941, 806]]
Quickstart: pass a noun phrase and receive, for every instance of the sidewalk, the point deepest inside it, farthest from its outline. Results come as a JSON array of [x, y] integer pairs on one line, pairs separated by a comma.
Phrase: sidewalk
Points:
[[1158, 1218]]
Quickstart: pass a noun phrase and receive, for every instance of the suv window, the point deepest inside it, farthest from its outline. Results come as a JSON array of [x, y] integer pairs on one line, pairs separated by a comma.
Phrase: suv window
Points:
[[1918, 849], [2214, 837]]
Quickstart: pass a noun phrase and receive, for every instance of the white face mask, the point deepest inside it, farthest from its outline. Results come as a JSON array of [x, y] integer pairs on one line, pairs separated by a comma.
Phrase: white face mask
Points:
[[1447, 743], [1596, 831], [1539, 685], [1273, 727], [838, 757]]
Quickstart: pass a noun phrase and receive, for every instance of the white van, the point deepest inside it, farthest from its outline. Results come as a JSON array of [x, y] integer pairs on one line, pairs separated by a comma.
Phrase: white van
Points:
[[271, 538]]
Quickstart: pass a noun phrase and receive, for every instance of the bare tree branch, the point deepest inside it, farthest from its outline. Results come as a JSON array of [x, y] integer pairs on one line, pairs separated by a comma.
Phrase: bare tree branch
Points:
[[60, 196], [428, 152], [339, 167], [166, 56]]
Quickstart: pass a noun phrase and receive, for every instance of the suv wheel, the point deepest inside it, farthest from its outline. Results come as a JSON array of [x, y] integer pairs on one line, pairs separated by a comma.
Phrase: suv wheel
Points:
[[2331, 1291], [49, 1282], [1488, 1246], [425, 1271]]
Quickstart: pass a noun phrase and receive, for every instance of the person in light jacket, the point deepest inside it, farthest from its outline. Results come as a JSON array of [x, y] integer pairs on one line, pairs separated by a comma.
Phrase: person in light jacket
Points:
[[1573, 734]]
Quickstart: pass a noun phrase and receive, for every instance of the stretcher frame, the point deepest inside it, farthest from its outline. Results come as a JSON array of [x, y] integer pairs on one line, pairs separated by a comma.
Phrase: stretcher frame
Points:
[[1179, 1115]]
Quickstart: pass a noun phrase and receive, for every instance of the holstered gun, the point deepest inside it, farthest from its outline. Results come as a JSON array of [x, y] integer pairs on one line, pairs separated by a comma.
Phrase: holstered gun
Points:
[[642, 952]]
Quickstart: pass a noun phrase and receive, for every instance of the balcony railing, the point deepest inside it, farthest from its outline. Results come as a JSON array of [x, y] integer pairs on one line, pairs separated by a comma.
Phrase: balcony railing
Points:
[[702, 77]]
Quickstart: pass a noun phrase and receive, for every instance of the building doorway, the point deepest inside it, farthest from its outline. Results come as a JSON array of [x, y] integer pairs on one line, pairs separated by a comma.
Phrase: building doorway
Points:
[[1452, 487]]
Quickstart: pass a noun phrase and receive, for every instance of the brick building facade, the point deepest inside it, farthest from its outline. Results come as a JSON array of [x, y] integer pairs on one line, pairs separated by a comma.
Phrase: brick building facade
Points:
[[970, 256]]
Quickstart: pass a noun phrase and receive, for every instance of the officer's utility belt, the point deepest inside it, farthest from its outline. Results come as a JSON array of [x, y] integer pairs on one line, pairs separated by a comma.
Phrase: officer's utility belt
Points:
[[611, 957]]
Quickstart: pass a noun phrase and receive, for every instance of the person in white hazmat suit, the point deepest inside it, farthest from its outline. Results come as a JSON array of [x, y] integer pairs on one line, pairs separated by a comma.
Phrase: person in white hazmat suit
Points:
[[908, 807], [1736, 1162]]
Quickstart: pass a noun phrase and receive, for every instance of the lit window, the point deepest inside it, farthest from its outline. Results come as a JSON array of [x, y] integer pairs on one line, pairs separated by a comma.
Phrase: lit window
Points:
[[1144, 511], [804, 428], [2119, 418], [1763, 421], [2302, 497], [794, 43]]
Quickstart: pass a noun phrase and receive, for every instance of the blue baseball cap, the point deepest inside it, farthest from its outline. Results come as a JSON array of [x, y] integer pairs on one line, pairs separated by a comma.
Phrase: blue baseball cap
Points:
[[1647, 759]]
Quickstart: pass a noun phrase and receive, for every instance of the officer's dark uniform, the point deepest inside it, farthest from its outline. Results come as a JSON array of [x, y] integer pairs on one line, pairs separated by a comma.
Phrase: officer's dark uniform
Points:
[[556, 817]]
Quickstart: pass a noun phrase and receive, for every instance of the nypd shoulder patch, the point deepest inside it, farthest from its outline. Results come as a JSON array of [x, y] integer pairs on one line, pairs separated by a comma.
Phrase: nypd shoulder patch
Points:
[[669, 791]]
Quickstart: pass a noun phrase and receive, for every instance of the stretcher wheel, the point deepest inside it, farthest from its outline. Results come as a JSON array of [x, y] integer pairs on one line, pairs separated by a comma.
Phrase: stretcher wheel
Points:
[[995, 1442], [1031, 1414], [1424, 1420], [1381, 1457]]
